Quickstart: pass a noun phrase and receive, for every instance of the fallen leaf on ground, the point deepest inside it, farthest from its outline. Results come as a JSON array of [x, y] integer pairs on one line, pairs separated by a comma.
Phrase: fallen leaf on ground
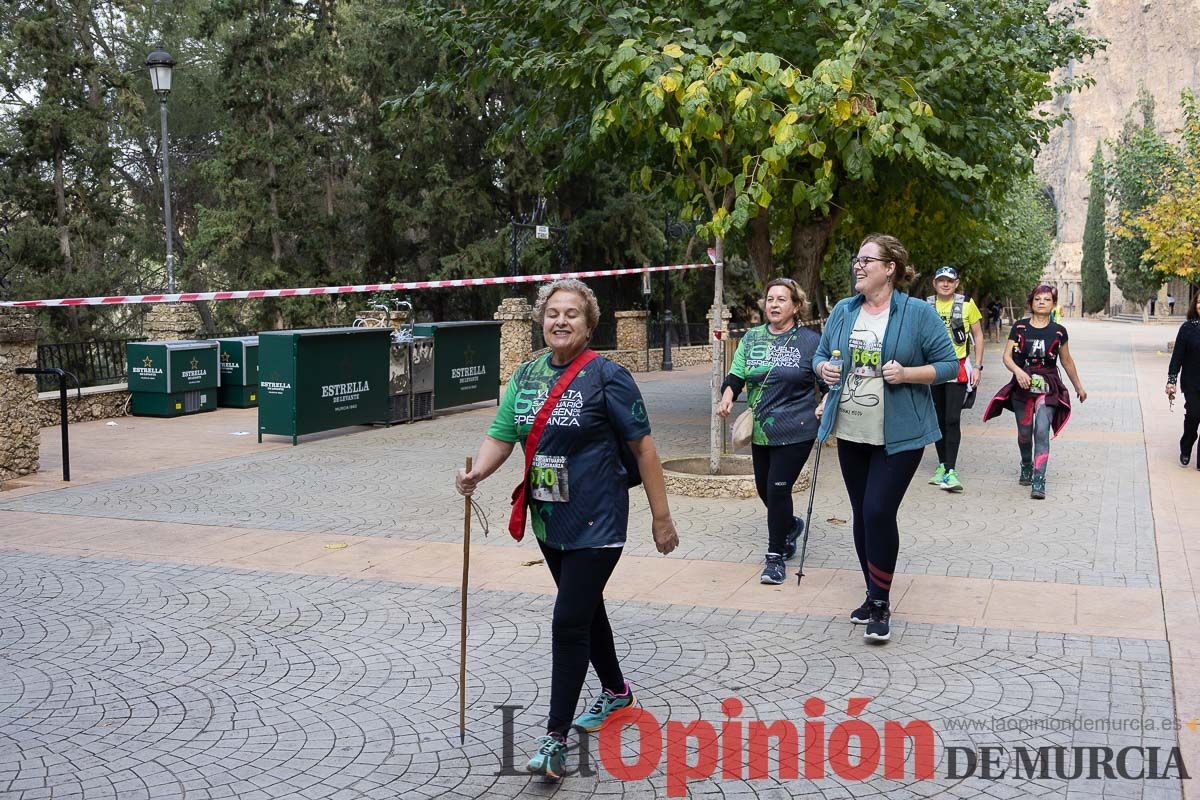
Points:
[[533, 563], [836, 521]]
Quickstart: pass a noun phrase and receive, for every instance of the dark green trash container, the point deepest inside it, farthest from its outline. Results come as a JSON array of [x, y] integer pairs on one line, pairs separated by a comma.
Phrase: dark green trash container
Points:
[[170, 379], [321, 379], [239, 372], [466, 361]]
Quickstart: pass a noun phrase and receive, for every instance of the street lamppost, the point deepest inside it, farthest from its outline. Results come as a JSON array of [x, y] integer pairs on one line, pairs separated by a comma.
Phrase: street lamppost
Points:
[[160, 65], [673, 230]]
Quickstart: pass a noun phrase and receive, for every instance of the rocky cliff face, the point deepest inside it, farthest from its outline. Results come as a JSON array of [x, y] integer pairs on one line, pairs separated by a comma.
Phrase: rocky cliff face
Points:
[[1151, 43]]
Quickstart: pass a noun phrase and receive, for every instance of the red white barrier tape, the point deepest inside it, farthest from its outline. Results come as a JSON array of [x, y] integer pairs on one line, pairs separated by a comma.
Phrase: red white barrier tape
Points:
[[254, 294]]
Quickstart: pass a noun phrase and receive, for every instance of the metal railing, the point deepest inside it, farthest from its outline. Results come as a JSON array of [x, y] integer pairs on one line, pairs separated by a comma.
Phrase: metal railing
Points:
[[94, 363], [694, 333]]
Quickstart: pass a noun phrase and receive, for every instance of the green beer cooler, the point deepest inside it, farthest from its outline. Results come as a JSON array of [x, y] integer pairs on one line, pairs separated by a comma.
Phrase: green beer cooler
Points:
[[239, 372], [170, 379], [321, 379], [466, 361]]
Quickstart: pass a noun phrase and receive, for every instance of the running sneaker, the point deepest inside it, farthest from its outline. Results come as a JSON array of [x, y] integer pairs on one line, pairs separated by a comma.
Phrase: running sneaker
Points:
[[1026, 475], [951, 483], [879, 628], [789, 547], [1038, 492], [774, 572], [604, 705], [862, 614], [549, 757], [1185, 459], [938, 475]]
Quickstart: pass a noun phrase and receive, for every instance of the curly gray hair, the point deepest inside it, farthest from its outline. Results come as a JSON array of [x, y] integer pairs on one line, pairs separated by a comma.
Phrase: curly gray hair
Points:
[[591, 308]]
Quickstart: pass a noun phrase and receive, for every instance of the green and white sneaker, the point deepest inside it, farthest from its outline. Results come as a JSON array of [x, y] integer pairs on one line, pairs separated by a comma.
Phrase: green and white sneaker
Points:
[[550, 757], [603, 706], [951, 483], [938, 475]]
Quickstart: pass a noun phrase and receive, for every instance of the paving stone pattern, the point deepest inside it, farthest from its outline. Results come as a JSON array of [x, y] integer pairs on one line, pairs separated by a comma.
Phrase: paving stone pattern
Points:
[[130, 680], [1096, 529]]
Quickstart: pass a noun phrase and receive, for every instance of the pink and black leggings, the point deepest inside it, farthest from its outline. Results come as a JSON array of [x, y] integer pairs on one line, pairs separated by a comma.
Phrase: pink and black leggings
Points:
[[876, 483], [1033, 433]]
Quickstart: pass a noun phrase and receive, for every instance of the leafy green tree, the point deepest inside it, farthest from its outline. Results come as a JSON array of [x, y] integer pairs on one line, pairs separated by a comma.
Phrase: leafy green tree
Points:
[[1170, 226], [773, 131], [1000, 253], [1093, 274], [1141, 156]]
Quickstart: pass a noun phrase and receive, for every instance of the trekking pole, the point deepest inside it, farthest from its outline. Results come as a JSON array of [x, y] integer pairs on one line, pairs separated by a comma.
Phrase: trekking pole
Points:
[[812, 493], [462, 649]]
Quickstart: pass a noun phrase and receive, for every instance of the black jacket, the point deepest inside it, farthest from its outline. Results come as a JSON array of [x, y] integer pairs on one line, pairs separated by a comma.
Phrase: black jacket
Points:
[[1186, 356]]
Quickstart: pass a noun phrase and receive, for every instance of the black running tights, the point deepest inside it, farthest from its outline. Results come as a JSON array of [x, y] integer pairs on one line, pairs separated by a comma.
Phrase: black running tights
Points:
[[776, 468], [876, 483], [1191, 421], [948, 401], [581, 632]]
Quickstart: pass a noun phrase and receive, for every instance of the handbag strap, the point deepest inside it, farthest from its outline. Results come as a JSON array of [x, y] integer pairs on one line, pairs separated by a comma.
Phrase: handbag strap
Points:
[[516, 520]]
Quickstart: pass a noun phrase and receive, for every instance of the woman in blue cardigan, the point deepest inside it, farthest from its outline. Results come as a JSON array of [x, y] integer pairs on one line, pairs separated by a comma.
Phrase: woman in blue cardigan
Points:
[[893, 348]]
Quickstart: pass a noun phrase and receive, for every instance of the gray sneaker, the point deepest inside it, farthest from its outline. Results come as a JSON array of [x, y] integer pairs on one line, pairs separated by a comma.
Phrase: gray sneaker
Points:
[[774, 572]]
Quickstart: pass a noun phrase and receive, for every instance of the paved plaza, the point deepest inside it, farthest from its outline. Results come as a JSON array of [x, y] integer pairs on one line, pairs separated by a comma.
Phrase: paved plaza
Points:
[[200, 616]]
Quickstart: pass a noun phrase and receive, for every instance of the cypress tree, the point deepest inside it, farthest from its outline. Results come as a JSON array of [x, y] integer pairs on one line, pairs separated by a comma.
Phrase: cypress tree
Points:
[[1092, 273]]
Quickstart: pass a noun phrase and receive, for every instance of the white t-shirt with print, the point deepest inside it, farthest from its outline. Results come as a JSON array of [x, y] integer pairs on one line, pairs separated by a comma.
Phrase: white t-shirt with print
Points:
[[860, 408]]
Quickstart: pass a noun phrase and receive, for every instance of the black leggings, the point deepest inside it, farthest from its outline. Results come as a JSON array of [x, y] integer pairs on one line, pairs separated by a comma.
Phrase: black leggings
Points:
[[776, 468], [581, 632], [948, 400], [876, 483], [1191, 421]]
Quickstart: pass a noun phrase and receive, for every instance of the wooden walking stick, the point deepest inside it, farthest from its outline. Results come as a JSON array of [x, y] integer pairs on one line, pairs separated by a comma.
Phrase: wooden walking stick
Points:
[[462, 650]]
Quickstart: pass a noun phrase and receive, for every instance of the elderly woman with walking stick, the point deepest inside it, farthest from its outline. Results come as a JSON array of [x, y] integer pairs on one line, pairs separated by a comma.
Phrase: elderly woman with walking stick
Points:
[[583, 426]]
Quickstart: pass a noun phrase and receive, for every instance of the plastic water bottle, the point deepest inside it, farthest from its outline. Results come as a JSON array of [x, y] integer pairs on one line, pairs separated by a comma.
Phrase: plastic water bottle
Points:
[[835, 360]]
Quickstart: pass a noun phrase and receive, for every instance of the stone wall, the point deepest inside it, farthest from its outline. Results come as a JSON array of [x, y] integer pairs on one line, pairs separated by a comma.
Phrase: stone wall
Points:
[[631, 329], [171, 322], [516, 335], [18, 394], [635, 360], [97, 402]]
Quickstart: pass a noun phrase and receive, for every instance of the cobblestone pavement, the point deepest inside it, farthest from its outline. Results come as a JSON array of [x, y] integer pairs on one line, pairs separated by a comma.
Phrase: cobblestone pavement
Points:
[[126, 680], [123, 678], [1097, 530]]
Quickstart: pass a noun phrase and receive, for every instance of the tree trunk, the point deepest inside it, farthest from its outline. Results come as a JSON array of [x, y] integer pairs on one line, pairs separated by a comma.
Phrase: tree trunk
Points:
[[810, 241], [715, 426], [758, 243]]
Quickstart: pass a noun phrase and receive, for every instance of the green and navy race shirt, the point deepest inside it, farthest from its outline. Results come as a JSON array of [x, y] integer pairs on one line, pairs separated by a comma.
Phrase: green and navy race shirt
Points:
[[577, 469], [784, 403]]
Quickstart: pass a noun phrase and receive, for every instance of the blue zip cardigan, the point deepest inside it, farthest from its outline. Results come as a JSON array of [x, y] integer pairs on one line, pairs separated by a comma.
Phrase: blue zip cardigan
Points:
[[915, 336]]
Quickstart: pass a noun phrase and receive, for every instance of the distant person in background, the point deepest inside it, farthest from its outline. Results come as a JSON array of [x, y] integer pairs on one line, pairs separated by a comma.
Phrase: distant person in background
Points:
[[1171, 304], [995, 313], [1185, 358]]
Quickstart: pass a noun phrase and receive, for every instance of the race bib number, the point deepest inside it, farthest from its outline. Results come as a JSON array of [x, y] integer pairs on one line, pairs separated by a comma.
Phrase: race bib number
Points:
[[1037, 385], [865, 354], [548, 479]]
